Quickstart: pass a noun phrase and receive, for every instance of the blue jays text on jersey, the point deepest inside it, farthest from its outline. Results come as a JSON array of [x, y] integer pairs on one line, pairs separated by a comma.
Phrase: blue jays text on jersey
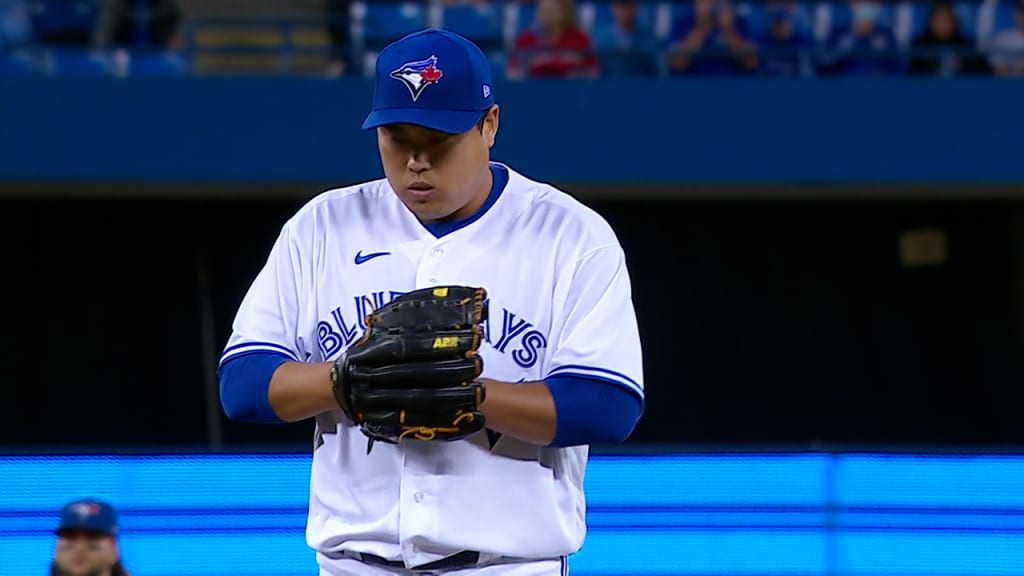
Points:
[[517, 336]]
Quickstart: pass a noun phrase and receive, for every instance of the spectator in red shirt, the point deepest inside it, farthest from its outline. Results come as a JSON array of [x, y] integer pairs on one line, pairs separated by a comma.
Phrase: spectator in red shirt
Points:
[[554, 46]]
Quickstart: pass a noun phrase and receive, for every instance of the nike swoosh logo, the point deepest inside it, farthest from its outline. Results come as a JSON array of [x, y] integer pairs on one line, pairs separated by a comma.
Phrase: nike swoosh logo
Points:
[[360, 257]]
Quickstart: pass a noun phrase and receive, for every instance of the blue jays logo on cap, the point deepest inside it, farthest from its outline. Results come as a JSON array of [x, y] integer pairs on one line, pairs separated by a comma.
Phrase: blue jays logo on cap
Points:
[[88, 514], [85, 509], [418, 75]]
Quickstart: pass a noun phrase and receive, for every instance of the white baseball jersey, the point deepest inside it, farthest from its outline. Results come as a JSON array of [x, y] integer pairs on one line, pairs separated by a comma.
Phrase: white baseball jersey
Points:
[[559, 304]]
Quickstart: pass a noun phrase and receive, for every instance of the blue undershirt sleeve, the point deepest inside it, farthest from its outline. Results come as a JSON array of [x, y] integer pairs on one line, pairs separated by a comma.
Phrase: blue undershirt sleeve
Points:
[[244, 383], [592, 411]]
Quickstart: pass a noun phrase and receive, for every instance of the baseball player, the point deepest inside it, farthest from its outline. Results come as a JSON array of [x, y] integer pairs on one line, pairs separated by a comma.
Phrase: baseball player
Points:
[[459, 332]]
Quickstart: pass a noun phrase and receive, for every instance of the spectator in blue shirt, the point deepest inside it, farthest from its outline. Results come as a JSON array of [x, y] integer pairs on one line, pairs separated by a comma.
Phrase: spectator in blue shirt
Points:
[[867, 47], [1006, 48], [338, 26], [15, 24], [626, 46], [133, 24], [710, 41], [784, 48]]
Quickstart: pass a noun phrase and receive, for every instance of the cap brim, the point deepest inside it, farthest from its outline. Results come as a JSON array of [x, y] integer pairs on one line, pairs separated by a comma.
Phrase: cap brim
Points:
[[92, 529], [448, 121]]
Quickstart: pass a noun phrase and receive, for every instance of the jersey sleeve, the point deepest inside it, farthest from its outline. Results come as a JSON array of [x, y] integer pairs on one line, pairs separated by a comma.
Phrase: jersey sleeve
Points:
[[268, 317], [598, 337]]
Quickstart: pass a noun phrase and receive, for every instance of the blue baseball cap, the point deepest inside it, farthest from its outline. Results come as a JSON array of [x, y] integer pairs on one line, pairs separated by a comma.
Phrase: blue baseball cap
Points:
[[432, 78], [89, 514]]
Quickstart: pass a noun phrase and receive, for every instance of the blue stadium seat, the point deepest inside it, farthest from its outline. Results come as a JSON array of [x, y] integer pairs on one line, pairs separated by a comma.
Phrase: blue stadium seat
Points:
[[1004, 17], [602, 14], [526, 13], [63, 19], [757, 17], [17, 63], [385, 22], [919, 19], [482, 24], [678, 11], [967, 12], [72, 62], [842, 17], [157, 63]]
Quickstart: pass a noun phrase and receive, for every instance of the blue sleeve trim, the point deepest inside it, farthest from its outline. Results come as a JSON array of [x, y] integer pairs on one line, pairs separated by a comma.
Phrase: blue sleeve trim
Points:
[[244, 383], [592, 411], [500, 179], [597, 374], [638, 394]]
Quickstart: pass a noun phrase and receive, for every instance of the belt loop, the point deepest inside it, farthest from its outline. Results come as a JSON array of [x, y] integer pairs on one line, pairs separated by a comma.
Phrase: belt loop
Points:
[[358, 557], [486, 558]]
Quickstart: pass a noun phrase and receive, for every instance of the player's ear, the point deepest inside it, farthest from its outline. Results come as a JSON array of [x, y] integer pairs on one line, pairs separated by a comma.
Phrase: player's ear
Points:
[[490, 125], [115, 550]]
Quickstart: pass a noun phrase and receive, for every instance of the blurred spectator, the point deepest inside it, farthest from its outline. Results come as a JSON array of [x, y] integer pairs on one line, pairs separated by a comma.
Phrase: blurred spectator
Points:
[[554, 46], [1007, 47], [87, 541], [481, 21], [710, 41], [338, 25], [138, 24], [627, 45], [784, 47], [942, 50], [867, 47], [15, 24], [63, 22]]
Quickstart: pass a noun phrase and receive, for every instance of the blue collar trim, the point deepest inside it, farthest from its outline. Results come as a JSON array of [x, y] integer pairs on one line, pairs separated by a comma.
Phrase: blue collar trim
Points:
[[499, 181]]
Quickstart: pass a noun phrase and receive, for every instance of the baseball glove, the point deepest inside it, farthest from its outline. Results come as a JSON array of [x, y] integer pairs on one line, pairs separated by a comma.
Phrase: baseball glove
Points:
[[413, 373]]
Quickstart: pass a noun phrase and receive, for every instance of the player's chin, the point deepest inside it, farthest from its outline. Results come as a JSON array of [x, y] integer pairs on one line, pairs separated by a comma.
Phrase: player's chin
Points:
[[425, 208]]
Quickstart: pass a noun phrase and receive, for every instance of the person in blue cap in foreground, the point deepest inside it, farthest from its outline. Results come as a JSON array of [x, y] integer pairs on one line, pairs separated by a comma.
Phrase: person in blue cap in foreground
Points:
[[87, 540]]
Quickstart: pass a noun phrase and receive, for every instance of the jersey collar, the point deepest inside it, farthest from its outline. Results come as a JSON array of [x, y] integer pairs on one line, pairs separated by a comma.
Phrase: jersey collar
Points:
[[498, 183]]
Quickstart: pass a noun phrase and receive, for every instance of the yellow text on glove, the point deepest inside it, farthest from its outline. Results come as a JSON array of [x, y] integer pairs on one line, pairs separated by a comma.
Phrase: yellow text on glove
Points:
[[446, 342]]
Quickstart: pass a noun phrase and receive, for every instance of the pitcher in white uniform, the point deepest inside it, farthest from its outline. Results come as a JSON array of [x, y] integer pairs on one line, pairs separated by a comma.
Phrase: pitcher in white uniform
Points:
[[561, 351]]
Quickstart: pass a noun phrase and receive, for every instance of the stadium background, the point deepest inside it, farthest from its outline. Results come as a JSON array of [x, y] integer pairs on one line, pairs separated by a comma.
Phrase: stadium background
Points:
[[828, 274]]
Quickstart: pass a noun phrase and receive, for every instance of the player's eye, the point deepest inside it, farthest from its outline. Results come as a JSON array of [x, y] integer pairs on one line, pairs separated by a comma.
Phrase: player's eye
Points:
[[394, 137]]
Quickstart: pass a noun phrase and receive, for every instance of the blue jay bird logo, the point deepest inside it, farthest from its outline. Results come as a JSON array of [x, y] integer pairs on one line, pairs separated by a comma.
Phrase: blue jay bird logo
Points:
[[418, 75], [86, 509]]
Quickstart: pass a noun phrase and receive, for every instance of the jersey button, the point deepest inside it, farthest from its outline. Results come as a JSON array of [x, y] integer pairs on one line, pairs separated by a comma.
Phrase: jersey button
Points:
[[418, 497], [436, 252]]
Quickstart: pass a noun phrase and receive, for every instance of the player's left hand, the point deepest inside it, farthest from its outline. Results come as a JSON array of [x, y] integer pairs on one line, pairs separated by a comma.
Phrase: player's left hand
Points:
[[413, 374]]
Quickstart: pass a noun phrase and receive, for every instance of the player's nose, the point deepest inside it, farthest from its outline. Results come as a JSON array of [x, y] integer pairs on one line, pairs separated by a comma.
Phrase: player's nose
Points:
[[418, 161]]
